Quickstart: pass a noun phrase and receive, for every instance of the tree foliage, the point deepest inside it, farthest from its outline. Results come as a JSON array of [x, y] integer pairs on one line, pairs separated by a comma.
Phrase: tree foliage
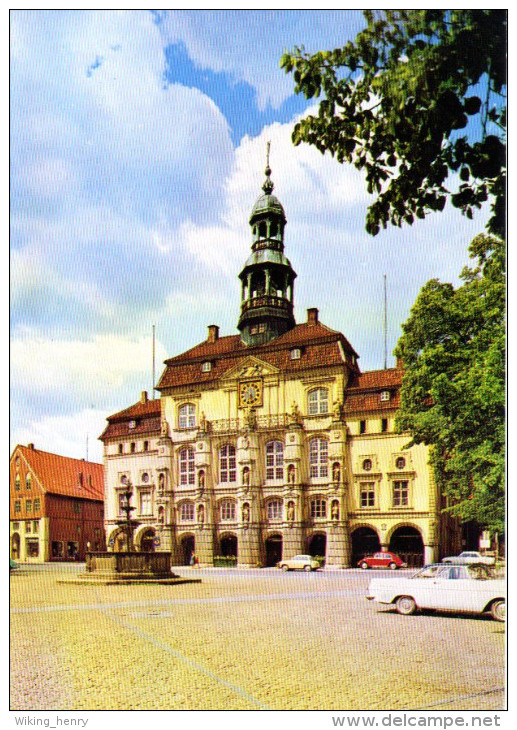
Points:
[[418, 95], [453, 390]]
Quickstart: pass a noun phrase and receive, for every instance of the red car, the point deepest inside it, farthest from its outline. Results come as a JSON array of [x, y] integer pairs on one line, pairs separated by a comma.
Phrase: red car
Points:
[[381, 560]]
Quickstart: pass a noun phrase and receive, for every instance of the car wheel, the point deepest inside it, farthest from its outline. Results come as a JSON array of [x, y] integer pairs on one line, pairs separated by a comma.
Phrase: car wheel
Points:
[[364, 566], [307, 568], [405, 605], [393, 566], [498, 610], [285, 567]]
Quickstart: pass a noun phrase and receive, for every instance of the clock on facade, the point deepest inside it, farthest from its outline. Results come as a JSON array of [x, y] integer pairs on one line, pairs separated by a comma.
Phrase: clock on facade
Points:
[[250, 394]]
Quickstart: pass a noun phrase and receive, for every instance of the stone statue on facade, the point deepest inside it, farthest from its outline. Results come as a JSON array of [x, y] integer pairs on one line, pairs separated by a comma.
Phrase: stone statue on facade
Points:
[[290, 513], [245, 513], [295, 417], [201, 514], [164, 428], [336, 472]]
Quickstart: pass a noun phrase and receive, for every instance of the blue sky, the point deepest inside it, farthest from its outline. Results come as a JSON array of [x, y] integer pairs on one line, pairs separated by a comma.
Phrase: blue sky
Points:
[[137, 151]]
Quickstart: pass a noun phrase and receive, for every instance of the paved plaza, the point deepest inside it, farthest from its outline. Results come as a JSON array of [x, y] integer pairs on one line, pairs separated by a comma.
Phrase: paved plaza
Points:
[[243, 640]]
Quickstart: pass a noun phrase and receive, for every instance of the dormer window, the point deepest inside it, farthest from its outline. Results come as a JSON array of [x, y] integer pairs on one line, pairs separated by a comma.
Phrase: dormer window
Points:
[[385, 395], [296, 353], [132, 424], [206, 367]]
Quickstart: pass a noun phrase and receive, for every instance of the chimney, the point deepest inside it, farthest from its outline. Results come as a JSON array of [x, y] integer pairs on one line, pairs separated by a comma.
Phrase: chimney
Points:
[[213, 333], [30, 446], [143, 396], [312, 316]]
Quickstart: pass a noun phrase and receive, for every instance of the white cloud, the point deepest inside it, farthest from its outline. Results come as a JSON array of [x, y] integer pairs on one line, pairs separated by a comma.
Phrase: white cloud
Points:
[[258, 39], [75, 435], [90, 368]]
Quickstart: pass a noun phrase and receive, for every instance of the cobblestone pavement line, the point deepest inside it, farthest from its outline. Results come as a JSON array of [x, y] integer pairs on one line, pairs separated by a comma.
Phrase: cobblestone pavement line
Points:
[[187, 601], [288, 642], [189, 662], [497, 690]]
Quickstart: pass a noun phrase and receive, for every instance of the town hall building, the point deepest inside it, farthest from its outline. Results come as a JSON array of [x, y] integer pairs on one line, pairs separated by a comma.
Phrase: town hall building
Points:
[[272, 442]]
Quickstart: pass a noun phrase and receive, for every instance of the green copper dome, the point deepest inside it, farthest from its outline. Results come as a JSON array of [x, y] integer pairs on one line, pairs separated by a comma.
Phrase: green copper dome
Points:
[[267, 278], [267, 203]]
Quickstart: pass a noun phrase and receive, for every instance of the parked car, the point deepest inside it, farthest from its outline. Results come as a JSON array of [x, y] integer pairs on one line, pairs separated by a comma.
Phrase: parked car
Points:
[[468, 558], [12, 565], [463, 588], [300, 562], [381, 560]]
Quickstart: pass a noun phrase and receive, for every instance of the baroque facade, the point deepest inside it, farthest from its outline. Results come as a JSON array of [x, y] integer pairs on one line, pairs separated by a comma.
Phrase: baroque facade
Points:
[[272, 442]]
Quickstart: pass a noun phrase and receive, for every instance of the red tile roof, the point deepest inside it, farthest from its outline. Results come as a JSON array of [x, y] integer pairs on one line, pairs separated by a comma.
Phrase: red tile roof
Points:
[[147, 417], [319, 345], [364, 391], [61, 475]]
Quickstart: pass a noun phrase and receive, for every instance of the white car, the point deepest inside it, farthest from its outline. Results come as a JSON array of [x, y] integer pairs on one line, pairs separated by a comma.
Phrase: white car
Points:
[[468, 558], [468, 588], [299, 562]]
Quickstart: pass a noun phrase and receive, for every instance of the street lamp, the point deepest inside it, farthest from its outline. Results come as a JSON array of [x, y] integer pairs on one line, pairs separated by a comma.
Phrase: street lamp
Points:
[[128, 523]]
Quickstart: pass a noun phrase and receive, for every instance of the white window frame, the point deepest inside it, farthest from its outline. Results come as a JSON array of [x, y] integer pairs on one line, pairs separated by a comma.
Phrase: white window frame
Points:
[[146, 503], [227, 464], [318, 458], [275, 509], [367, 488], [206, 366], [318, 508], [187, 467], [385, 395], [400, 495], [296, 353], [227, 510], [275, 461], [187, 512], [318, 402], [187, 415]]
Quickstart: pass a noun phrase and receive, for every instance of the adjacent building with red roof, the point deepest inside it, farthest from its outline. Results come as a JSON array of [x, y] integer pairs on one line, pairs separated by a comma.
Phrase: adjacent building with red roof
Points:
[[56, 506], [272, 442]]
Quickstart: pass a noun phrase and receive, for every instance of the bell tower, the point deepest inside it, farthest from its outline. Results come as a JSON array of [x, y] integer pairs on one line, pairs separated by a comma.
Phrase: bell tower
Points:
[[267, 278]]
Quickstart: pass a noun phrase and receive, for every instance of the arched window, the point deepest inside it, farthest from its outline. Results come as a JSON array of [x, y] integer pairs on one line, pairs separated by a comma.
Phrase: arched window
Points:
[[187, 415], [318, 401], [318, 458], [275, 461], [318, 507], [227, 510], [274, 509], [227, 464], [187, 468], [187, 512]]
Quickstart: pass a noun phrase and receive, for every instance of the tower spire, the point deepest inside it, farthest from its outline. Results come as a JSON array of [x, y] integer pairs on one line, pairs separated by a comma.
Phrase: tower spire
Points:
[[267, 278], [268, 184]]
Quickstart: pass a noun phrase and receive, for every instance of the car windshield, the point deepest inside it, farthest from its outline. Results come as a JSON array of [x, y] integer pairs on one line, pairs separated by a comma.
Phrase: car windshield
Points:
[[456, 572]]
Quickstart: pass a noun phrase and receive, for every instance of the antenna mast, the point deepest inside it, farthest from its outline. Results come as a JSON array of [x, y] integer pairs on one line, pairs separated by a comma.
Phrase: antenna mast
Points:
[[152, 391], [385, 326]]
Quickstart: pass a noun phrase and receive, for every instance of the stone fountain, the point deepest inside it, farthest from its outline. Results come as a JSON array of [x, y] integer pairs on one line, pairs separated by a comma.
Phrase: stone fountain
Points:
[[128, 566]]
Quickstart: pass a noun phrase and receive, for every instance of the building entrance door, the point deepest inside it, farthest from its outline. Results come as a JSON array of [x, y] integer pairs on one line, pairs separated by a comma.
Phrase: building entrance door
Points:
[[273, 550], [15, 546], [318, 546], [188, 544]]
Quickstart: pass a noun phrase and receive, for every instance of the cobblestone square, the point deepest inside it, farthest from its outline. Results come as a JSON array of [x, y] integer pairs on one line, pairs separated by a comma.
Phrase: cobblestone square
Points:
[[243, 640]]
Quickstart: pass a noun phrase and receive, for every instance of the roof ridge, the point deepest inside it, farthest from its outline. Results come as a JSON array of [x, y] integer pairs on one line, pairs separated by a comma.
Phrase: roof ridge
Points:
[[59, 456]]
